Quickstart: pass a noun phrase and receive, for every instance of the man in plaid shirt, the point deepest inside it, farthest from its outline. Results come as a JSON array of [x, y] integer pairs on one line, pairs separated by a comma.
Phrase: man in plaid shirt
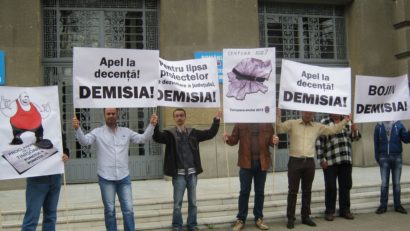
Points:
[[335, 155]]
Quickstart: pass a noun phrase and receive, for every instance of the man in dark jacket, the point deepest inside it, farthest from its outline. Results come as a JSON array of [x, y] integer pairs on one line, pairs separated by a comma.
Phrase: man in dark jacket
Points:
[[388, 138], [183, 163], [254, 159]]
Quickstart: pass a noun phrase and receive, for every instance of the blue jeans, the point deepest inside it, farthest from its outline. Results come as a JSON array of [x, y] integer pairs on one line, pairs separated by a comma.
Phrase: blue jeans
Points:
[[245, 178], [181, 182], [123, 189], [387, 163], [42, 191]]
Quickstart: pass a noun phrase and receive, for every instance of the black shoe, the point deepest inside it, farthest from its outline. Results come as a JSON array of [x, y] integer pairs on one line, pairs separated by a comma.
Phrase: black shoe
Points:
[[381, 210], [291, 223], [348, 216], [16, 141], [329, 217], [308, 221], [400, 209]]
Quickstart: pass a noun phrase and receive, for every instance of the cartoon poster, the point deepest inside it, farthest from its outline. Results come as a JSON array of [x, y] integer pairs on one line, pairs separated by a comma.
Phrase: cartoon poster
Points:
[[381, 99], [249, 85], [30, 132], [306, 87], [188, 83], [106, 77]]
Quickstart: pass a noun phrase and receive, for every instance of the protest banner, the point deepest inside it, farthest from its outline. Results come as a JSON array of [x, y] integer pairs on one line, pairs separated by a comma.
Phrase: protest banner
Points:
[[249, 85], [30, 132], [188, 83], [105, 77], [381, 98], [306, 87]]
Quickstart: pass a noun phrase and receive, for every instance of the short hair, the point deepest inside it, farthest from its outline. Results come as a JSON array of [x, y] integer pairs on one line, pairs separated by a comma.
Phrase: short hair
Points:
[[179, 109], [106, 108]]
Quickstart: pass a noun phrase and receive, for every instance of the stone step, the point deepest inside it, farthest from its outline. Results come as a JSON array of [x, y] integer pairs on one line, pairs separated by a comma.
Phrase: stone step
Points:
[[157, 214]]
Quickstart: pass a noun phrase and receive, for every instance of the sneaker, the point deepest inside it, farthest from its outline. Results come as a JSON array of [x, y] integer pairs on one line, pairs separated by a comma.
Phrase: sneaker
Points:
[[308, 221], [260, 224], [329, 217], [400, 209], [238, 225], [381, 210]]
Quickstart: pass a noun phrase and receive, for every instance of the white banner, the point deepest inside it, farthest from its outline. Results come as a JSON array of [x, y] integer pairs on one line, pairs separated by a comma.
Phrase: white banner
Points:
[[249, 85], [381, 99], [188, 83], [312, 88], [30, 132], [122, 78]]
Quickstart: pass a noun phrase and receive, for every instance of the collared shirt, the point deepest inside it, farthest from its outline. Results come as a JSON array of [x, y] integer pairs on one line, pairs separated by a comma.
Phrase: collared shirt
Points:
[[303, 136], [337, 148], [112, 148]]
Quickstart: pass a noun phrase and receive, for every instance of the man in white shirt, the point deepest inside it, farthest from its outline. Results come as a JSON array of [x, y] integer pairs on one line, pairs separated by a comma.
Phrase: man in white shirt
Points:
[[112, 145]]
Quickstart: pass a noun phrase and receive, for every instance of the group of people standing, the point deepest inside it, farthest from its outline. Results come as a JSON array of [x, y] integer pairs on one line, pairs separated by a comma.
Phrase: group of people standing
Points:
[[330, 139]]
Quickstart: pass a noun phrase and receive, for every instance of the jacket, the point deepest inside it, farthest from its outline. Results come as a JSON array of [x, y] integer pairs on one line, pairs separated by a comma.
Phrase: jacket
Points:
[[383, 147], [241, 132], [195, 136]]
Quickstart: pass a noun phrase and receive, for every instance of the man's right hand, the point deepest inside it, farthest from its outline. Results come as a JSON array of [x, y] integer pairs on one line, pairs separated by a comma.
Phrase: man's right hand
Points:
[[324, 164], [76, 123]]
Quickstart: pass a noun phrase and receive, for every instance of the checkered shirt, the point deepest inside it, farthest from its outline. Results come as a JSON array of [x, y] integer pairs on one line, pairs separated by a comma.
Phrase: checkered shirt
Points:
[[337, 148]]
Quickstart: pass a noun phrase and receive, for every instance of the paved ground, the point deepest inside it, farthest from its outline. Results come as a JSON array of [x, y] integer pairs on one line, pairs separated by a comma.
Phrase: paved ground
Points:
[[390, 221]]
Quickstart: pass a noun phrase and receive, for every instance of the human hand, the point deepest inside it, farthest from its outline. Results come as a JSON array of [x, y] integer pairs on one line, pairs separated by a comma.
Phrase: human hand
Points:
[[324, 164], [65, 158], [275, 139], [154, 119], [75, 122], [218, 115]]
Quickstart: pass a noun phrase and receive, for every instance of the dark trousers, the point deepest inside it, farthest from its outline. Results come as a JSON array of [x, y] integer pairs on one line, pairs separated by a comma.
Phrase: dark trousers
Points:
[[245, 177], [343, 174], [300, 169]]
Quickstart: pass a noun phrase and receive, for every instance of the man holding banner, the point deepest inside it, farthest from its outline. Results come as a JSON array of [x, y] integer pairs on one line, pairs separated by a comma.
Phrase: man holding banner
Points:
[[112, 146], [301, 166], [182, 162], [254, 159]]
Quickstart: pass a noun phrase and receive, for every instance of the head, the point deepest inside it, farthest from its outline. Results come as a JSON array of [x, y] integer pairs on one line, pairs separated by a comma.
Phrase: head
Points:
[[24, 99], [110, 116], [179, 115], [307, 116], [335, 117]]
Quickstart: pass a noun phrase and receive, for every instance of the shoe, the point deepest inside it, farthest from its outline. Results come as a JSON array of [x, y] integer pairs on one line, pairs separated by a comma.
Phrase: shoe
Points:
[[260, 224], [238, 225], [194, 229], [381, 210], [400, 209], [291, 223], [16, 141], [329, 217], [348, 216], [308, 221], [176, 229]]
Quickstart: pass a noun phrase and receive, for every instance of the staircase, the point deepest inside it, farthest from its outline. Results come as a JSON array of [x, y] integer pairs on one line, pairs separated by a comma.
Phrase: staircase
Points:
[[216, 210]]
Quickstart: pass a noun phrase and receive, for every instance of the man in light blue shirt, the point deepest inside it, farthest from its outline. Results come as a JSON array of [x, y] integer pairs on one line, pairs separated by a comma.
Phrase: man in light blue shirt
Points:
[[112, 145]]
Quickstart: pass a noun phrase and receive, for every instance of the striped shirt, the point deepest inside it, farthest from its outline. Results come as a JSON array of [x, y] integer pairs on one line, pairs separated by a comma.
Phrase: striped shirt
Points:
[[337, 148]]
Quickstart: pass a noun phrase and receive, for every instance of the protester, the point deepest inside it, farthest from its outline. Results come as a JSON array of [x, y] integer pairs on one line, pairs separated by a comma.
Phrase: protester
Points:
[[388, 138], [334, 153], [301, 166], [112, 146], [43, 192], [182, 162], [254, 159]]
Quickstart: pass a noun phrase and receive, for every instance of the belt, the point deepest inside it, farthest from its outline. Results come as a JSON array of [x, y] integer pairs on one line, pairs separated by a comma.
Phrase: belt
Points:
[[301, 158]]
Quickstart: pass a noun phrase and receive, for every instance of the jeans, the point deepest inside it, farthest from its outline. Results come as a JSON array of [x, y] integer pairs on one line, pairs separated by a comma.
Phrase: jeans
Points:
[[180, 182], [42, 191], [300, 169], [245, 178], [387, 163], [123, 189], [343, 174]]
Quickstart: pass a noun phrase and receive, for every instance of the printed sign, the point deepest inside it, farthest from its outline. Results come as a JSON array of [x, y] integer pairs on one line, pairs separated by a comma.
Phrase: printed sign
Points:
[[312, 88], [381, 99], [249, 86]]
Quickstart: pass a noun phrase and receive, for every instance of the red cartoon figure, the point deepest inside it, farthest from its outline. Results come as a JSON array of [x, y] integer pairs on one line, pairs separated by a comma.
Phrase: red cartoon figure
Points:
[[26, 116]]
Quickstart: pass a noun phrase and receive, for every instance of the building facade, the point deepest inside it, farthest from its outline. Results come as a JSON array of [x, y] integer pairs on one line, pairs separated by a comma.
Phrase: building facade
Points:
[[37, 36]]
